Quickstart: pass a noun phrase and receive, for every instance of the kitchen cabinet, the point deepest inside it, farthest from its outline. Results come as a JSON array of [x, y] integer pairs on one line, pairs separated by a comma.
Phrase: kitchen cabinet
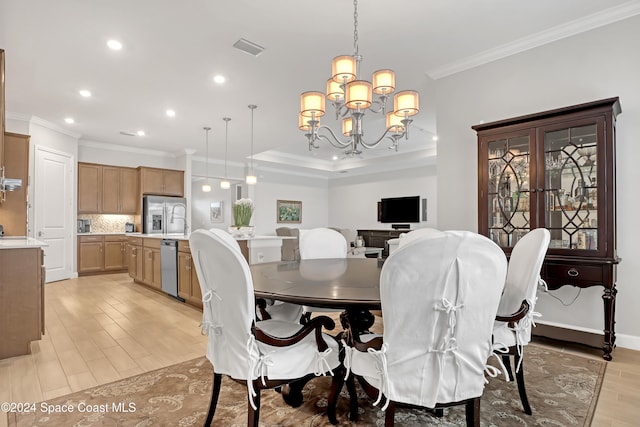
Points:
[[115, 253], [119, 190], [89, 188], [161, 182], [151, 272], [90, 254], [102, 254], [135, 258], [556, 169], [188, 284], [21, 299], [13, 215]]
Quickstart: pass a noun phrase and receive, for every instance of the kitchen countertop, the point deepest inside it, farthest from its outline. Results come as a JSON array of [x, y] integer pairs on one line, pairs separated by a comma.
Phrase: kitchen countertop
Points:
[[180, 236], [20, 242]]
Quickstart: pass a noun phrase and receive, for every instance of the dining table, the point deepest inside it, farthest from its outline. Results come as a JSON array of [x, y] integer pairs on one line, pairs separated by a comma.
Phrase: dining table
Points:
[[350, 284]]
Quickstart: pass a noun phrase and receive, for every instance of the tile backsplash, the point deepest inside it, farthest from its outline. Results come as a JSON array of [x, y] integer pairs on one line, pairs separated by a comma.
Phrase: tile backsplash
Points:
[[108, 223]]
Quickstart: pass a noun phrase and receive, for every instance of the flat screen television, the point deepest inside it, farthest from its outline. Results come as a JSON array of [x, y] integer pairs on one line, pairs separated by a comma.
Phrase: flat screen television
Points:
[[400, 209]]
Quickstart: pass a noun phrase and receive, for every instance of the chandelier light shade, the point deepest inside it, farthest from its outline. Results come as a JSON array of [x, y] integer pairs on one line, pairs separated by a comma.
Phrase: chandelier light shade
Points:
[[343, 69], [251, 177], [206, 187], [384, 82], [394, 123], [334, 91], [225, 184], [347, 126], [353, 97], [406, 103], [312, 104], [358, 94]]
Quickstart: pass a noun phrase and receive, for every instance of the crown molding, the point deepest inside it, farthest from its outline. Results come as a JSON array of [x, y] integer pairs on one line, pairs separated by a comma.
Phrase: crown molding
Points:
[[124, 148], [581, 25], [44, 123]]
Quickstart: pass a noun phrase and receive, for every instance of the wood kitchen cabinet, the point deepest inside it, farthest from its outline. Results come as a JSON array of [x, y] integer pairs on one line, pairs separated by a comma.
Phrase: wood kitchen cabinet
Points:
[[556, 169], [13, 214], [102, 254], [2, 112], [151, 272], [21, 300], [119, 190], [89, 188], [115, 253], [188, 284], [136, 258], [161, 182], [90, 254]]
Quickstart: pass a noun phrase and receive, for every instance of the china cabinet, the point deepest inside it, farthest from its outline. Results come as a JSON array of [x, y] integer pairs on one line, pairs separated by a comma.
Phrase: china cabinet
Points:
[[556, 169]]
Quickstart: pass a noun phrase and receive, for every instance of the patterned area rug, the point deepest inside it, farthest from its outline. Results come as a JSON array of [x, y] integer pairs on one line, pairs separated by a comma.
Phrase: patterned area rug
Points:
[[563, 390]]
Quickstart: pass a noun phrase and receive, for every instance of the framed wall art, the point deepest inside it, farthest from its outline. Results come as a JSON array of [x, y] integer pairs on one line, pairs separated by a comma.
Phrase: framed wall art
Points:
[[289, 212]]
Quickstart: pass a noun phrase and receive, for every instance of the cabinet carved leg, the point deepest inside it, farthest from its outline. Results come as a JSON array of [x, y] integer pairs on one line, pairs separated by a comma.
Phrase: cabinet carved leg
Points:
[[609, 299]]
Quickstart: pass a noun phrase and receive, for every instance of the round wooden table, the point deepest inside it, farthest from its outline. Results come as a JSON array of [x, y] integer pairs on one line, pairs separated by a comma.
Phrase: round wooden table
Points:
[[349, 283]]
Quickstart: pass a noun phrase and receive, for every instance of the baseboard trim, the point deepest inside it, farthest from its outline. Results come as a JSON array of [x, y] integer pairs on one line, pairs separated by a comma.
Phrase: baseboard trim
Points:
[[576, 334]]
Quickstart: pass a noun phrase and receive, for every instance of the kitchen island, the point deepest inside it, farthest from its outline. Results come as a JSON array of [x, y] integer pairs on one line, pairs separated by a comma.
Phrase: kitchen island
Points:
[[21, 294]]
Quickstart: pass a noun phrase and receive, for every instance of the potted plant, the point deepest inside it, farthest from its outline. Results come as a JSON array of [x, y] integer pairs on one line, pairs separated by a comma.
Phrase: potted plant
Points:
[[242, 211]]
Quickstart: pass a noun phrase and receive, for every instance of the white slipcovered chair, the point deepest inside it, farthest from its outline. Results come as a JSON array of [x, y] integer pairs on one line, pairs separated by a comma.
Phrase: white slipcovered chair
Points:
[[321, 243], [268, 309], [439, 298], [512, 329], [413, 235], [260, 354]]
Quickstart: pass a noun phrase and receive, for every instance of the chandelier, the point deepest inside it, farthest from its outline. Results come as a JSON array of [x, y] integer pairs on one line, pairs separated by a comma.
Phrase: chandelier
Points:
[[351, 98]]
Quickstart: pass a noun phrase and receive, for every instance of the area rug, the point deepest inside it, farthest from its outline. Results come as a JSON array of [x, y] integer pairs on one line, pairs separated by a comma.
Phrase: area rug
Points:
[[563, 390]]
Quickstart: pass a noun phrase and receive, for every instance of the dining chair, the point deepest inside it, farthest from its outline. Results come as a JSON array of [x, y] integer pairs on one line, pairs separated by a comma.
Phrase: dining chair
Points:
[[413, 235], [321, 243], [267, 308], [260, 354], [439, 299], [512, 328]]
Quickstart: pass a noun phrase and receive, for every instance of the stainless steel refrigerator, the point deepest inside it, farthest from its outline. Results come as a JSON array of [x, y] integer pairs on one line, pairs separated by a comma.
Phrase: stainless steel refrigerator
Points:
[[164, 215]]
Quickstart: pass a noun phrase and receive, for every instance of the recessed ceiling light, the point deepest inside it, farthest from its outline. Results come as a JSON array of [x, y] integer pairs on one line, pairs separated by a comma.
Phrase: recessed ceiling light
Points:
[[219, 79], [435, 138], [140, 133], [85, 93], [114, 44], [334, 158], [69, 120], [171, 113]]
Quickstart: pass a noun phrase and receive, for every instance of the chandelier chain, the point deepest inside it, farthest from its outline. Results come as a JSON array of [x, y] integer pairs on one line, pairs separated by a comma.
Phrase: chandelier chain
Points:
[[207, 129], [226, 143], [355, 28]]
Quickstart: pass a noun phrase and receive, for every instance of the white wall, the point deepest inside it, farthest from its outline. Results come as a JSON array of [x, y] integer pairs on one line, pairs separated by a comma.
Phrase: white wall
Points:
[[273, 186], [353, 201], [119, 155], [599, 64]]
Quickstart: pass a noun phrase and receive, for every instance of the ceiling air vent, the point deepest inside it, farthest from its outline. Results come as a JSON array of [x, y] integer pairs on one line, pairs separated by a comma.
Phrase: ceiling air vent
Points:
[[249, 47]]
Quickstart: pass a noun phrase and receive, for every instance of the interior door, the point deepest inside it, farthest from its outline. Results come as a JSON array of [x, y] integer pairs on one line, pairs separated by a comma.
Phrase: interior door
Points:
[[53, 204]]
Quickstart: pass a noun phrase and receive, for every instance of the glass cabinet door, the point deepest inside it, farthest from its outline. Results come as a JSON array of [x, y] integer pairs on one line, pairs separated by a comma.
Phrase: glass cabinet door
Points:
[[571, 186], [508, 189]]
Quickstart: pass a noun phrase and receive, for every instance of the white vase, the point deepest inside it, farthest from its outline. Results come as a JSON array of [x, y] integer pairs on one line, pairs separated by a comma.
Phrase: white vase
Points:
[[241, 232]]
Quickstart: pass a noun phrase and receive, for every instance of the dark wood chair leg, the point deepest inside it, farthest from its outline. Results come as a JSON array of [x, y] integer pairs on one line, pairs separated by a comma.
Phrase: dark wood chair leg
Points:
[[353, 398], [521, 389], [215, 392], [506, 360], [439, 412], [472, 410], [389, 415], [336, 386], [254, 414]]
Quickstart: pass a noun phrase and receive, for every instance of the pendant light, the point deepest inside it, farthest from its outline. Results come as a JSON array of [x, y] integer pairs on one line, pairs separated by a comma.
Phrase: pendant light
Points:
[[251, 178], [225, 184], [206, 187]]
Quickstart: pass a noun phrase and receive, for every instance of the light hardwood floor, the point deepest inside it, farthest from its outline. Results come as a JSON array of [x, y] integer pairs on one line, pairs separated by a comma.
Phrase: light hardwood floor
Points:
[[103, 328]]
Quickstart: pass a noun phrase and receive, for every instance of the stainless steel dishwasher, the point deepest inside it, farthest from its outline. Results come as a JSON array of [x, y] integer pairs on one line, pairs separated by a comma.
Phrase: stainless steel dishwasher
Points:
[[169, 267]]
